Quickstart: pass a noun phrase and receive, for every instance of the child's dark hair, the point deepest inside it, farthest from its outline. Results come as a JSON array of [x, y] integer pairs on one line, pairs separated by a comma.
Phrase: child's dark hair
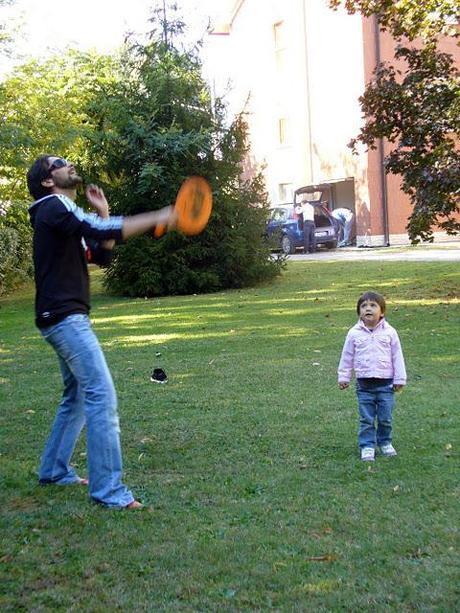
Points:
[[378, 298], [37, 173]]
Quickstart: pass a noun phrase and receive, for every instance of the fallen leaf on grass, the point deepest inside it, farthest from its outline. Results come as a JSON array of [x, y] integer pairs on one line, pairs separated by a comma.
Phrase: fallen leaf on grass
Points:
[[328, 557]]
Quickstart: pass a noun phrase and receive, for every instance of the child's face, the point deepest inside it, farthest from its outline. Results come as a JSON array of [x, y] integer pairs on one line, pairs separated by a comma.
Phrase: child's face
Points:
[[371, 313]]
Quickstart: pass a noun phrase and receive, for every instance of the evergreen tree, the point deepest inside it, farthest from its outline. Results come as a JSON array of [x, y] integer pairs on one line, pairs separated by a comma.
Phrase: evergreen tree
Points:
[[158, 127]]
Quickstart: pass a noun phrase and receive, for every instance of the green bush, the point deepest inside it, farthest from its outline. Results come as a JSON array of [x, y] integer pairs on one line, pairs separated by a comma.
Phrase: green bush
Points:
[[9, 241], [226, 255], [15, 247]]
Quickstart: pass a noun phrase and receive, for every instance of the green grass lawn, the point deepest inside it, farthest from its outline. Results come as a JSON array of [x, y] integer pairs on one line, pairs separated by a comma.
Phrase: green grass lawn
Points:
[[247, 459]]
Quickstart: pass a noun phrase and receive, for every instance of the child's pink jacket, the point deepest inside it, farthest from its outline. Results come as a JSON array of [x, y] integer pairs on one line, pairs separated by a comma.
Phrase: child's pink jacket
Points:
[[373, 353]]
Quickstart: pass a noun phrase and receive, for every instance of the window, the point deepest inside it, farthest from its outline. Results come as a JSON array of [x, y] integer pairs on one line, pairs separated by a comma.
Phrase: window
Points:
[[279, 215], [279, 34], [285, 192], [283, 131], [280, 60]]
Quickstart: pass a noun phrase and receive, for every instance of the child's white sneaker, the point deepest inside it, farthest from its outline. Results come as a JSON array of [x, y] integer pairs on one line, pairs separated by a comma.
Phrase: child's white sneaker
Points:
[[388, 450], [367, 454]]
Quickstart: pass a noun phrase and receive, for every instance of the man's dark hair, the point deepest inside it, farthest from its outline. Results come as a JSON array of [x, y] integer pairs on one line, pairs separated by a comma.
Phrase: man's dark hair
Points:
[[37, 173], [375, 297]]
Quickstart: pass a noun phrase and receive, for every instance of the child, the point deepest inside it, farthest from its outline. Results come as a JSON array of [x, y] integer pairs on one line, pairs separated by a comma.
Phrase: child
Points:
[[373, 350]]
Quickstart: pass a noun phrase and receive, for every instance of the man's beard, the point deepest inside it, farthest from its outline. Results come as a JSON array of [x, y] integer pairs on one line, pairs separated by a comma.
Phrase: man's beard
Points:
[[69, 182]]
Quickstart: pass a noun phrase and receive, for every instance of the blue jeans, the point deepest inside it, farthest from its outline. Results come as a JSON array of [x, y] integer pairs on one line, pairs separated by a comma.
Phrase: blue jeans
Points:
[[309, 238], [89, 398], [347, 227], [376, 400]]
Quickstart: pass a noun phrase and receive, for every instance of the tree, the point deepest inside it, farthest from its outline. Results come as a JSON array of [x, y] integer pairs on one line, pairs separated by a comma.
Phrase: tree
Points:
[[42, 110], [157, 129], [417, 110], [407, 18]]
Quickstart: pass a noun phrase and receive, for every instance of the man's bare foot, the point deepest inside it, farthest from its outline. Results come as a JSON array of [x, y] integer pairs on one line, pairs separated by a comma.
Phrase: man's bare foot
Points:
[[135, 504]]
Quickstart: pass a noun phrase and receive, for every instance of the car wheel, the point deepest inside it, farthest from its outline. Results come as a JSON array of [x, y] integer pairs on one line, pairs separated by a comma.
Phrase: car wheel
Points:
[[287, 244], [332, 245]]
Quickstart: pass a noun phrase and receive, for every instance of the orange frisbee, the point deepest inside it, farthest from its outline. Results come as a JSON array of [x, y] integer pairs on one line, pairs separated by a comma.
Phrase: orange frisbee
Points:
[[193, 207]]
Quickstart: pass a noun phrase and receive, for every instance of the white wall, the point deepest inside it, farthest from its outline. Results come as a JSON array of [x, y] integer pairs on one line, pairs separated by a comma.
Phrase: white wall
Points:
[[317, 90]]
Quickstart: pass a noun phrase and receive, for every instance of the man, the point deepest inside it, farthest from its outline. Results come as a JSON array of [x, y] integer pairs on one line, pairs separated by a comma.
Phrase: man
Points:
[[63, 233], [309, 227], [345, 219]]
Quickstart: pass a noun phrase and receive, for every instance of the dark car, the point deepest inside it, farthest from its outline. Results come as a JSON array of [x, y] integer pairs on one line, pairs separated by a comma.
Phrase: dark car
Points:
[[286, 221]]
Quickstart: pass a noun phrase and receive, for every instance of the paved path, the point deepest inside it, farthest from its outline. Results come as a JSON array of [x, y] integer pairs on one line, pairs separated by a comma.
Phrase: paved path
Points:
[[447, 252]]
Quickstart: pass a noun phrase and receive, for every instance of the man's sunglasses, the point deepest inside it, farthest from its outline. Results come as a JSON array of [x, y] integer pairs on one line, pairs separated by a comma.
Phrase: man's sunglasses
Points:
[[58, 163]]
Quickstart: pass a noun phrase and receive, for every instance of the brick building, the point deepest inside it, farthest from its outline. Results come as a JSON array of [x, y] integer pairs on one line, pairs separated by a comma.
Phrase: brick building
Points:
[[296, 69]]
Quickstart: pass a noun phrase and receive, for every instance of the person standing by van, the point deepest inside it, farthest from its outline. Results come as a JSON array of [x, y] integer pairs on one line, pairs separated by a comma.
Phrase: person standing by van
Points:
[[309, 227], [345, 218]]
